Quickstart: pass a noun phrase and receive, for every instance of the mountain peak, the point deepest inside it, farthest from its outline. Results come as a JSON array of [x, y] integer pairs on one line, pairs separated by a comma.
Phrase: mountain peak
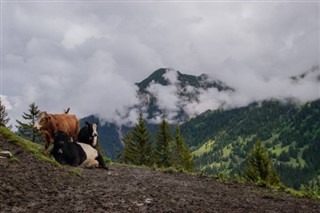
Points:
[[168, 92], [156, 77], [169, 76]]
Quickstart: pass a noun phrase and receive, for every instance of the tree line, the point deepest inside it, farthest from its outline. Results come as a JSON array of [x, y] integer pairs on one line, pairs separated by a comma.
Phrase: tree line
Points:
[[166, 151]]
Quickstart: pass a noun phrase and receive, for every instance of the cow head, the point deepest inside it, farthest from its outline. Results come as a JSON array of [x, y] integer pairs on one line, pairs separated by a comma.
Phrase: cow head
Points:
[[60, 139], [42, 121], [93, 132]]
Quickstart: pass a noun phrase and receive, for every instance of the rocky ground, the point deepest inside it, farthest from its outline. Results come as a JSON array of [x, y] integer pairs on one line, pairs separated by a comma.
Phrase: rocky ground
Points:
[[29, 184]]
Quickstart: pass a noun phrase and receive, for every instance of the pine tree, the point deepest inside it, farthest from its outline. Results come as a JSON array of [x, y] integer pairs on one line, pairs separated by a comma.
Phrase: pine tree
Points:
[[26, 130], [4, 119], [138, 148], [258, 168], [181, 157], [162, 151]]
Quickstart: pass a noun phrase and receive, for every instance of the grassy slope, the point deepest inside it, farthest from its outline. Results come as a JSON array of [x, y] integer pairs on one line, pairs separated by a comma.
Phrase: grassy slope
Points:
[[34, 148], [206, 147], [236, 128]]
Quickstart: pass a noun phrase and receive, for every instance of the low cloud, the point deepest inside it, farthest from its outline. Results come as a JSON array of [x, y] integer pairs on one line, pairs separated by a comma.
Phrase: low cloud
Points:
[[88, 56], [167, 101], [256, 89]]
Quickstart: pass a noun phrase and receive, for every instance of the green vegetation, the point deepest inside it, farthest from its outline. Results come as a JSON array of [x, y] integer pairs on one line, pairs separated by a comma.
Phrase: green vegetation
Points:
[[4, 119], [258, 168], [206, 147], [181, 157], [14, 159], [75, 171], [165, 153], [289, 132], [138, 148], [34, 148], [162, 154], [26, 130]]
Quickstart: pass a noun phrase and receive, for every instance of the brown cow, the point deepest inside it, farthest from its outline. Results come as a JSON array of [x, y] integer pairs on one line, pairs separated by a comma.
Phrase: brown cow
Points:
[[49, 124]]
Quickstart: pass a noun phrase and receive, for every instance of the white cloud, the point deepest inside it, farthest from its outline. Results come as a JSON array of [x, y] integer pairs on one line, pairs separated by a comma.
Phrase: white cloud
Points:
[[167, 100], [88, 56], [76, 35], [5, 102], [208, 99]]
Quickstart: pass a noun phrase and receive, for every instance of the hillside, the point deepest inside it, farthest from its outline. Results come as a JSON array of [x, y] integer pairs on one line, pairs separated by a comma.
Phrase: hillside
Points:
[[222, 139], [29, 184]]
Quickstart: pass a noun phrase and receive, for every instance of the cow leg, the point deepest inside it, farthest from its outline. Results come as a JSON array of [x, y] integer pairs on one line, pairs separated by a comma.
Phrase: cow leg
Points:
[[100, 159], [47, 144], [95, 164], [91, 164], [76, 161]]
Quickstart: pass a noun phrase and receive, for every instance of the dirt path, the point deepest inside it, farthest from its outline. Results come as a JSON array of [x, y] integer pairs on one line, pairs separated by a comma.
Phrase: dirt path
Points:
[[31, 185]]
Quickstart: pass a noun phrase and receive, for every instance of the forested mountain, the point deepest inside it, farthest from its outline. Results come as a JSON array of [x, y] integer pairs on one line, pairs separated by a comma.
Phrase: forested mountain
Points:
[[222, 139]]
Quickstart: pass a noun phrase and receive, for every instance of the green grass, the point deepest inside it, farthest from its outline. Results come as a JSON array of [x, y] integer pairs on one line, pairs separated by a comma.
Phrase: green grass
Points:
[[14, 159], [75, 171], [34, 148], [206, 147], [227, 150], [278, 149]]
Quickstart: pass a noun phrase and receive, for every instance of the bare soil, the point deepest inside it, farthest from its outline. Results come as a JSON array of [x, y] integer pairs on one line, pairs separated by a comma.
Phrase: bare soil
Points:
[[29, 184]]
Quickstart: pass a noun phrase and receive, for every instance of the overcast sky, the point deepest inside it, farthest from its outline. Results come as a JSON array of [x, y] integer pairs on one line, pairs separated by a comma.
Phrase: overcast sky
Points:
[[87, 55]]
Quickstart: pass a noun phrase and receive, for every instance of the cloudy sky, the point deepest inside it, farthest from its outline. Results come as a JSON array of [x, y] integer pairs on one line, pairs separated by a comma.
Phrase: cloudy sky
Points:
[[87, 55]]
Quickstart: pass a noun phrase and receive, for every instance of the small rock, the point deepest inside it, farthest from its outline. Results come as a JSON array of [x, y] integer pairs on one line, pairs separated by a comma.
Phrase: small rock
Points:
[[137, 203], [5, 154], [148, 200]]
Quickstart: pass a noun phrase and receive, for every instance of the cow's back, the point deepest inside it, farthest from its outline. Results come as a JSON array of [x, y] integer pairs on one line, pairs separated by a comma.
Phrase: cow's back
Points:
[[66, 123]]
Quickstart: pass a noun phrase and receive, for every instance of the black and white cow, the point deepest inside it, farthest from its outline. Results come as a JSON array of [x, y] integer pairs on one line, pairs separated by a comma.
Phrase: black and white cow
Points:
[[88, 134], [75, 153]]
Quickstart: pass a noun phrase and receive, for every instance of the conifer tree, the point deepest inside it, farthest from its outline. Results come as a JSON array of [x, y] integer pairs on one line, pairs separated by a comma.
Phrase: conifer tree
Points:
[[258, 168], [4, 119], [138, 148], [25, 129], [162, 151], [181, 157]]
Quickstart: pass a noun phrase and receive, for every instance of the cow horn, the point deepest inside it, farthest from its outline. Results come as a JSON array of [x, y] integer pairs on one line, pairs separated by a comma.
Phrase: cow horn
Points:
[[66, 111]]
